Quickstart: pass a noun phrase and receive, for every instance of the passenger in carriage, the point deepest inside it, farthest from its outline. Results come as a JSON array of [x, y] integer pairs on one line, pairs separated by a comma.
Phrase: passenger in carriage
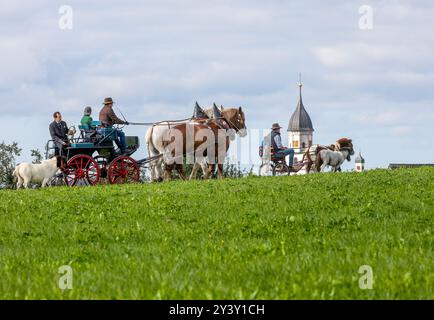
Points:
[[86, 120], [108, 118], [279, 149]]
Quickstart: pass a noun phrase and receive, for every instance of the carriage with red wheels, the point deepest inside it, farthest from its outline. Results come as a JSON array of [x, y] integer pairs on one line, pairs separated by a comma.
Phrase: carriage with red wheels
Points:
[[92, 157]]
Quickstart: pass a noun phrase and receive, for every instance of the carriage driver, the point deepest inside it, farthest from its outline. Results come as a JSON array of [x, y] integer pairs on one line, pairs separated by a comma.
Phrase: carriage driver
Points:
[[108, 118], [279, 149], [59, 134]]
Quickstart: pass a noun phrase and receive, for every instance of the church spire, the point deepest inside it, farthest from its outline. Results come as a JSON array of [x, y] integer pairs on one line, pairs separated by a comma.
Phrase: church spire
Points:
[[299, 83], [300, 120]]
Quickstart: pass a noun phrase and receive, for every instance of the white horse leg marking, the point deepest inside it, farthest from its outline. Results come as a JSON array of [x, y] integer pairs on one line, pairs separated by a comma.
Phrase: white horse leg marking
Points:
[[194, 171], [160, 168], [19, 183], [152, 167], [204, 166], [44, 183]]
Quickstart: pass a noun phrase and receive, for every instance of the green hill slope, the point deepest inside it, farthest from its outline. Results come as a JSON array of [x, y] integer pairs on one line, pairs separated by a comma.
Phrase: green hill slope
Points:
[[261, 238]]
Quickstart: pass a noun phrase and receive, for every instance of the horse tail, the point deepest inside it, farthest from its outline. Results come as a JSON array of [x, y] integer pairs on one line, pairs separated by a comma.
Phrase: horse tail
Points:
[[149, 141], [309, 163], [15, 172], [308, 156], [305, 155]]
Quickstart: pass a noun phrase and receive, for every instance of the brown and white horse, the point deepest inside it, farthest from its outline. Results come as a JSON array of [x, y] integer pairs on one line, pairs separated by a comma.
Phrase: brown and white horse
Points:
[[202, 161], [154, 135], [201, 138]]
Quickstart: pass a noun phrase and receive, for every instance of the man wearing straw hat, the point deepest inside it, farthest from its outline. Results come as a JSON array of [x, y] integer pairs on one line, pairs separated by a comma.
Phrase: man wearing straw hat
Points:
[[279, 149], [108, 118]]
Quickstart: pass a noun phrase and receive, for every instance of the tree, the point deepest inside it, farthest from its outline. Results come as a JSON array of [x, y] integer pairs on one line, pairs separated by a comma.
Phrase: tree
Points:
[[8, 153], [37, 156]]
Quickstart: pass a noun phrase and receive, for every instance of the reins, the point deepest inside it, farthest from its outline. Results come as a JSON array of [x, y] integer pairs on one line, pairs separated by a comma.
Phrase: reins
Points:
[[160, 123]]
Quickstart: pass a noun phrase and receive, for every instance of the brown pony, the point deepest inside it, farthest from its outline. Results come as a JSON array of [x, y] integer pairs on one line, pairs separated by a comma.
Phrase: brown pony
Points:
[[206, 135]]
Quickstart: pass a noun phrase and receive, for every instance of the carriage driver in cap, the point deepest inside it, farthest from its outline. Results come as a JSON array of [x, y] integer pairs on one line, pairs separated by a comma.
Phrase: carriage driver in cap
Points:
[[279, 149], [108, 118]]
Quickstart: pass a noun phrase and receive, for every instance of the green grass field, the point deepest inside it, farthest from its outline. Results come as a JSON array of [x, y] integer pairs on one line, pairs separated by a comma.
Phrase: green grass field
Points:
[[300, 237]]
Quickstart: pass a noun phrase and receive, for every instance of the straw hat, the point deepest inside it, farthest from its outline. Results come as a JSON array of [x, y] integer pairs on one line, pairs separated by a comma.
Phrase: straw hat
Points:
[[108, 101], [275, 126]]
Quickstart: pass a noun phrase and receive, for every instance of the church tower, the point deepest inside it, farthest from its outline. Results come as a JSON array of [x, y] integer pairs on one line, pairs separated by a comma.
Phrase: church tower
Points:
[[300, 129], [360, 163]]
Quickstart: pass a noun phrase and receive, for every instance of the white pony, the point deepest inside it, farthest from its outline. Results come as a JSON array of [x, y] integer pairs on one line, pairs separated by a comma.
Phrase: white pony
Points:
[[335, 158], [29, 172]]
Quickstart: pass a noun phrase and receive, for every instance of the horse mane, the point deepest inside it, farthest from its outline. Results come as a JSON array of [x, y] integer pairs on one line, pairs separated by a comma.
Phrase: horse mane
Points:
[[343, 142], [209, 111], [231, 112]]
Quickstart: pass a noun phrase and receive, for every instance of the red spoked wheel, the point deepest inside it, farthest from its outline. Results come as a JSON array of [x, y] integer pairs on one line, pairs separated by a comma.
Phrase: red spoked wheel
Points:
[[123, 169], [81, 170]]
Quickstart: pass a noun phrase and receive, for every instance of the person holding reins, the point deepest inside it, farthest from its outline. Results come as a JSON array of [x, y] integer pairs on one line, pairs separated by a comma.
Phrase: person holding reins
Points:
[[108, 118], [276, 142]]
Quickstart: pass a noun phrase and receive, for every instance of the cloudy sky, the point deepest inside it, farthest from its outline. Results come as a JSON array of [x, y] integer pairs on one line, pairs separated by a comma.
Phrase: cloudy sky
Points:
[[156, 58]]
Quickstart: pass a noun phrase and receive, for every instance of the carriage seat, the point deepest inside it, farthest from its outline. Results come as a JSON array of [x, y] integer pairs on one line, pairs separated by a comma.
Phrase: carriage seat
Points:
[[82, 145], [271, 154], [274, 156], [96, 130], [88, 133]]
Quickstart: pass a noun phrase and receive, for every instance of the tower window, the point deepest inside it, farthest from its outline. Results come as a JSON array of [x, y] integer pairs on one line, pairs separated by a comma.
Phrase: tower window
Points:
[[295, 143]]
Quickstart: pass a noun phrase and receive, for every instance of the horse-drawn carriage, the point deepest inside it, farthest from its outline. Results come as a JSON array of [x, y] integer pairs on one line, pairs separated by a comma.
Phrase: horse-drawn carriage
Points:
[[92, 156], [316, 156], [275, 165]]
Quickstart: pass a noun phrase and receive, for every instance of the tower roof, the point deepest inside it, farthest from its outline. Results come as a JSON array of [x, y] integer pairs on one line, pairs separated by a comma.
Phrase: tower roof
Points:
[[359, 159], [300, 119]]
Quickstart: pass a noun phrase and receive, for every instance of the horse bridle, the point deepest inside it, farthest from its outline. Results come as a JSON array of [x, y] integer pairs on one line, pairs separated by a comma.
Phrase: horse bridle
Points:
[[231, 124], [349, 149]]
